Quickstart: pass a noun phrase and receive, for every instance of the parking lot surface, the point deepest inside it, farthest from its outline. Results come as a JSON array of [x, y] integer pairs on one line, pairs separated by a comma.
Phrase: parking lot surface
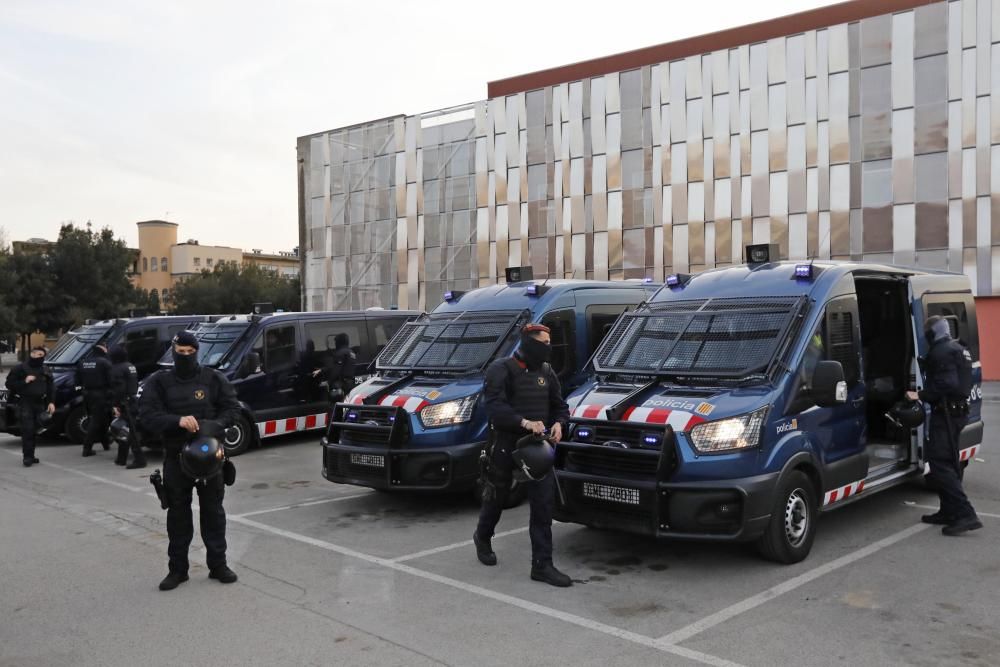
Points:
[[345, 575]]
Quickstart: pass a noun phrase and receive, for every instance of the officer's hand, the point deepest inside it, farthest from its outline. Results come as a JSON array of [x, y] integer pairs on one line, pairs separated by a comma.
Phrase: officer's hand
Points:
[[315, 373], [116, 412], [52, 408], [913, 396], [538, 428], [555, 433], [29, 379], [189, 424]]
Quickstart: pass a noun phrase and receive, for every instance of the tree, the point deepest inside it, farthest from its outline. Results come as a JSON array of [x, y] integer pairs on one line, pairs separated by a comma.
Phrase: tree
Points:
[[234, 289], [32, 295], [153, 303], [91, 268]]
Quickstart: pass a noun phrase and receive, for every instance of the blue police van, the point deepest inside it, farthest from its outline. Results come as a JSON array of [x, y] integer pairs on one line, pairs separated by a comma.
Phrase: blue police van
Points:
[[270, 358], [144, 338], [420, 424], [741, 403]]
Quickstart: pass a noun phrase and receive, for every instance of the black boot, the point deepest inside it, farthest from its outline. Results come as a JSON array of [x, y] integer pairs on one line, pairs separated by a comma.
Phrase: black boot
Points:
[[938, 519], [27, 462], [88, 451], [962, 526], [173, 580], [548, 573], [136, 463], [484, 550], [223, 574], [119, 462]]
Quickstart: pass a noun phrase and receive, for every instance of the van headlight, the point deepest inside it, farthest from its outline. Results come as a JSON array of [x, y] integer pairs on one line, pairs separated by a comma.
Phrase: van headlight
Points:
[[741, 432], [448, 413]]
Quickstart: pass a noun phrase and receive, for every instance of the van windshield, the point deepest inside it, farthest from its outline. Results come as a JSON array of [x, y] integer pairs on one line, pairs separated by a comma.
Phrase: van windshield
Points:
[[449, 342], [728, 338], [73, 345], [215, 340]]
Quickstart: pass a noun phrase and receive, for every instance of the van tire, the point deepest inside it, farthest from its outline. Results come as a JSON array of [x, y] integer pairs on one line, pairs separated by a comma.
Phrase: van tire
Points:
[[76, 424], [242, 439], [790, 533]]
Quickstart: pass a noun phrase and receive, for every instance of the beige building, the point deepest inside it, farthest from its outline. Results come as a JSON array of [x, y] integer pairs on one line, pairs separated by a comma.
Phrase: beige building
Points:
[[163, 261]]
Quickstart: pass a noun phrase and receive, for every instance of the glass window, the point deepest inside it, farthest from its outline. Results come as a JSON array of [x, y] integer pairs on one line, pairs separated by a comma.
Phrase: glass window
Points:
[[633, 175], [154, 265], [143, 346], [163, 264], [279, 348], [321, 336], [197, 261], [208, 262], [145, 264], [563, 359]]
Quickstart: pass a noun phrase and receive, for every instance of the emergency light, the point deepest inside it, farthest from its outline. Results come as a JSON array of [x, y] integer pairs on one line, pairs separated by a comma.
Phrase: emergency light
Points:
[[536, 290], [453, 295], [583, 433], [651, 440], [352, 416], [804, 271], [677, 280]]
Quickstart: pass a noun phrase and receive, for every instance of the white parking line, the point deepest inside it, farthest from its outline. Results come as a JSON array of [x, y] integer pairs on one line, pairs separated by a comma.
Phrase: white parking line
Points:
[[932, 507], [127, 487], [746, 605], [527, 605], [307, 503], [456, 545]]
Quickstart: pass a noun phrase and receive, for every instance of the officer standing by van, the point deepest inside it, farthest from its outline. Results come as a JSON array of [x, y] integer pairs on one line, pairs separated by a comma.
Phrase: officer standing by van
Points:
[[523, 397], [94, 375], [947, 385], [33, 384], [339, 370], [176, 404], [124, 388]]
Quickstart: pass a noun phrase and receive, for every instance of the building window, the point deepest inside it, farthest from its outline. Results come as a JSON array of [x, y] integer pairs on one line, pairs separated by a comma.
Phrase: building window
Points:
[[208, 262], [197, 261], [152, 265], [163, 264], [165, 294], [145, 264]]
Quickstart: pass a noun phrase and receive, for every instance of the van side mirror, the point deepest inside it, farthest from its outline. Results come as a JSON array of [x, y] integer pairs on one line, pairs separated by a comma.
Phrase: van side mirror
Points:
[[829, 386]]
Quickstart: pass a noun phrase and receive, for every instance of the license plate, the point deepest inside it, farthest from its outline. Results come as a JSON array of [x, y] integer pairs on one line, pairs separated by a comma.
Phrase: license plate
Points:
[[614, 494], [368, 460]]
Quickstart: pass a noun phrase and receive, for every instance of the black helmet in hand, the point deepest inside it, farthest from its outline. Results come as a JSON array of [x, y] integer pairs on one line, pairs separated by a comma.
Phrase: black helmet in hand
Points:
[[533, 458], [202, 457], [909, 414], [43, 422], [119, 430]]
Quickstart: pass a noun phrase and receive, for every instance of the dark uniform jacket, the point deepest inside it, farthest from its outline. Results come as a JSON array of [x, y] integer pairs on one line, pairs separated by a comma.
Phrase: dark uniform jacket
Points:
[[166, 398], [94, 375], [41, 390], [124, 383], [339, 371], [514, 393], [947, 372]]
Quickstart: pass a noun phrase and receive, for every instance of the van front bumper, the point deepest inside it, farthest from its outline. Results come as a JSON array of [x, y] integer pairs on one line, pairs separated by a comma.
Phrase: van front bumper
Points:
[[737, 510], [452, 468]]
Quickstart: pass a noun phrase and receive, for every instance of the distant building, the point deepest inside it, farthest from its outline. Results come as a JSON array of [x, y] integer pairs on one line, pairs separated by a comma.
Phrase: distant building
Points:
[[162, 261]]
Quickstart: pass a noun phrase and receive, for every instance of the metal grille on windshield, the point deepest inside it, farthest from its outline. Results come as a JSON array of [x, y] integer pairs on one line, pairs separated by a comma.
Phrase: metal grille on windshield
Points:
[[448, 341], [726, 337]]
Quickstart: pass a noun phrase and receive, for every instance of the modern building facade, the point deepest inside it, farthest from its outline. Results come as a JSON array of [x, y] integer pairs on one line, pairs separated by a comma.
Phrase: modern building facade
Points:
[[865, 130]]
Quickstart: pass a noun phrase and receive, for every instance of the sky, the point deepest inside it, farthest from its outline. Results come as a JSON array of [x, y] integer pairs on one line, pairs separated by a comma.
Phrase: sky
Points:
[[115, 111]]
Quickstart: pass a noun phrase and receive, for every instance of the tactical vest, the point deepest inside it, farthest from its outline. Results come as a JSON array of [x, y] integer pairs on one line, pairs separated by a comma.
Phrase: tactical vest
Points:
[[94, 373], [528, 391], [124, 381]]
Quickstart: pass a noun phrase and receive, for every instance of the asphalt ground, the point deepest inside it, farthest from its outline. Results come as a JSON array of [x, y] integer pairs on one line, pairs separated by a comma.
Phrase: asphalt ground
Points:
[[345, 575]]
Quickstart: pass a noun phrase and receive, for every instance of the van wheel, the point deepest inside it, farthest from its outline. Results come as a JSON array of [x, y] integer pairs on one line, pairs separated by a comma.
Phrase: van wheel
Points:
[[789, 536], [76, 424], [238, 437]]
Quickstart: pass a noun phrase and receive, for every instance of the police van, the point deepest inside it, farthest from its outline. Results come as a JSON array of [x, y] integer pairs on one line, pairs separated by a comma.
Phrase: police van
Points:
[[741, 403], [144, 338], [270, 358], [420, 424]]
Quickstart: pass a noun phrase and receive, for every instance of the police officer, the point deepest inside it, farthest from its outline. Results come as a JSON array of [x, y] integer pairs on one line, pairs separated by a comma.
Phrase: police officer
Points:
[[124, 387], [339, 370], [948, 382], [33, 383], [175, 404], [94, 375], [523, 397]]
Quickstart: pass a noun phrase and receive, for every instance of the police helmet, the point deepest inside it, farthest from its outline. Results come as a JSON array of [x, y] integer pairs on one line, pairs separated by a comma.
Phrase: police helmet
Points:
[[533, 461], [202, 458], [43, 422], [119, 430], [909, 414]]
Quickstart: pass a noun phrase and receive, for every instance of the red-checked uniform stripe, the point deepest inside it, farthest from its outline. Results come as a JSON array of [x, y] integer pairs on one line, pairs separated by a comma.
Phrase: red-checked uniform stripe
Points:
[[843, 492]]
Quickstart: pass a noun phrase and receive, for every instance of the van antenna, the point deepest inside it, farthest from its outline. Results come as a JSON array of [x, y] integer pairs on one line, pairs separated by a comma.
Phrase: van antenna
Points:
[[825, 239]]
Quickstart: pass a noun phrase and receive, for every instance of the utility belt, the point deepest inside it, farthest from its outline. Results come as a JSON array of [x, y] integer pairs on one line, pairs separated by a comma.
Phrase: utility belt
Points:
[[954, 407]]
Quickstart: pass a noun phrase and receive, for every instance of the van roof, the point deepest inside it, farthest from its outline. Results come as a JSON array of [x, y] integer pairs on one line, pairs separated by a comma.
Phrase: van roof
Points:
[[778, 279], [316, 315], [513, 296]]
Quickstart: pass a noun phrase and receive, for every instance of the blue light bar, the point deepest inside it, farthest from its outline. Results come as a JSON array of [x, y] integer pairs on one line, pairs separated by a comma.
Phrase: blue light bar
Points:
[[352, 416], [677, 280], [651, 439], [647, 280], [804, 271], [536, 290], [583, 433], [453, 295]]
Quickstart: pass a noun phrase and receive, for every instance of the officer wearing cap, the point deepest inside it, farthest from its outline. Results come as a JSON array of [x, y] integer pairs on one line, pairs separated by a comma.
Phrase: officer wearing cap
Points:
[[947, 385], [177, 404], [33, 383], [523, 397]]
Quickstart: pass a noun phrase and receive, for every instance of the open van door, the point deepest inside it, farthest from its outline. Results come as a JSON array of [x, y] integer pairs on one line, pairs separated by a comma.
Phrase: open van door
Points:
[[950, 296]]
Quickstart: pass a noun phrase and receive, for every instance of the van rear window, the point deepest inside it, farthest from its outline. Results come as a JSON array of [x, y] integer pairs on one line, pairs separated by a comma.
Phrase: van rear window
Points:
[[721, 337]]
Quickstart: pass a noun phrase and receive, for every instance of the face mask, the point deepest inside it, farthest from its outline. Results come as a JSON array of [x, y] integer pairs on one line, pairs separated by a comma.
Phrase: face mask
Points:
[[929, 336], [535, 352], [35, 362], [185, 364]]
